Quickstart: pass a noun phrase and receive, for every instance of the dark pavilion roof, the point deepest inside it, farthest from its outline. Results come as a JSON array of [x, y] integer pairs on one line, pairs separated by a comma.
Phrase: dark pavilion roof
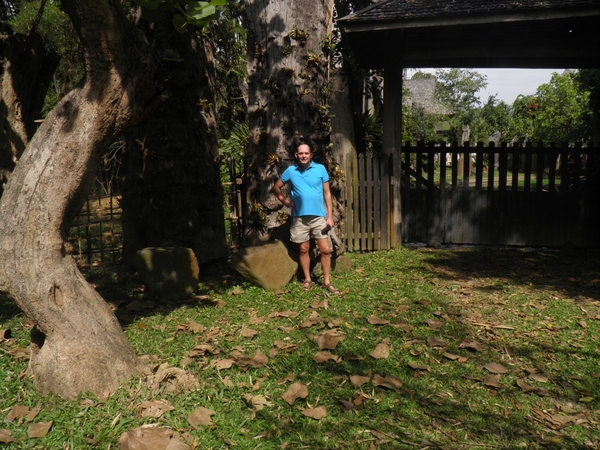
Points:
[[476, 33]]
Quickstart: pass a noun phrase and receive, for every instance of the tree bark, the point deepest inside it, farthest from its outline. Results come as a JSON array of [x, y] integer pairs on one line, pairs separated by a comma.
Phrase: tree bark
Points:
[[80, 346], [172, 194], [27, 70], [288, 97]]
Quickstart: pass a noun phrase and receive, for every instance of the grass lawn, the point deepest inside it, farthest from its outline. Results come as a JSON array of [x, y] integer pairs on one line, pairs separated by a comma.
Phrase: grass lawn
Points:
[[441, 349]]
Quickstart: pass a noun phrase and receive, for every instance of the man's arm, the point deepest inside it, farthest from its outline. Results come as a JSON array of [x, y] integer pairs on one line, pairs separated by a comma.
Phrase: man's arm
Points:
[[277, 191], [328, 203]]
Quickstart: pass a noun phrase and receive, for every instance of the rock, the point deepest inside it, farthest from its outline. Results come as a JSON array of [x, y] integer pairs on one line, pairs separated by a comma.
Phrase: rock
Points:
[[169, 272], [268, 265], [434, 243], [341, 264]]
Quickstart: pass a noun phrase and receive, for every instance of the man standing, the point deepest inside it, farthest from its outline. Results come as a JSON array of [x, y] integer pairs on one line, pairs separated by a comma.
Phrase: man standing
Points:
[[312, 214]]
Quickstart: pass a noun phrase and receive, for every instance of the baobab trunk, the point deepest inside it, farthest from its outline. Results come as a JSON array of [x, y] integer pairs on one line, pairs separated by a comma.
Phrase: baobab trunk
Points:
[[78, 345], [288, 96]]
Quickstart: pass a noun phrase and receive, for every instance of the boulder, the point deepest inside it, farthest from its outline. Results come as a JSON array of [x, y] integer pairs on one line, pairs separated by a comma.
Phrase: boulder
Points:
[[268, 265], [168, 272]]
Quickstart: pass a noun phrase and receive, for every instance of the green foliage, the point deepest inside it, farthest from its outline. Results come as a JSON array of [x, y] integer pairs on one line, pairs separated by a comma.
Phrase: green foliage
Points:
[[60, 39], [418, 126], [457, 89], [563, 110], [195, 13], [234, 147]]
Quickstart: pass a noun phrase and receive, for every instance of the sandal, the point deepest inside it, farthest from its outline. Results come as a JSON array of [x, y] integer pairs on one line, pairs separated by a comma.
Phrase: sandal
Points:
[[307, 285], [331, 289]]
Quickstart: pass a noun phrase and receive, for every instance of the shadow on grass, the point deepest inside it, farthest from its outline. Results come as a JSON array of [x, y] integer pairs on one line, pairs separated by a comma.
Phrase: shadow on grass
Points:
[[574, 273]]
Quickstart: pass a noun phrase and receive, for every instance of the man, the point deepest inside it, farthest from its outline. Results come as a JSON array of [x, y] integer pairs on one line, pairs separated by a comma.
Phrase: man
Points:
[[312, 214]]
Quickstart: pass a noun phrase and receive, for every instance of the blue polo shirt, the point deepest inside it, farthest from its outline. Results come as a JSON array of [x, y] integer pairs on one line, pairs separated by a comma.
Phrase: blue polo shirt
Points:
[[307, 189]]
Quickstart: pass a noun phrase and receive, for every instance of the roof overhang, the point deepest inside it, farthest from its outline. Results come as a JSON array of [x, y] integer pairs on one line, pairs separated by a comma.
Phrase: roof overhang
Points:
[[531, 39]]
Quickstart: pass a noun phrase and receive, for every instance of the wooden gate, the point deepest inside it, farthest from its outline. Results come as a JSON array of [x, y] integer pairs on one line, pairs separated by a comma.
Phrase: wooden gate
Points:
[[518, 196]]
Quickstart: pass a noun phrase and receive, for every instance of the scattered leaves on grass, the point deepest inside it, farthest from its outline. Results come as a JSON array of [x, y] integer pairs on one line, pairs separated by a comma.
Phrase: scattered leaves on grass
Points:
[[471, 345], [6, 436], [172, 380], [295, 391], [321, 357], [382, 351], [145, 437], [39, 430], [492, 380], [153, 408], [201, 417], [416, 366], [495, 368], [433, 341], [389, 381], [315, 413], [374, 320], [247, 332], [359, 380], [256, 402], [285, 314], [328, 340]]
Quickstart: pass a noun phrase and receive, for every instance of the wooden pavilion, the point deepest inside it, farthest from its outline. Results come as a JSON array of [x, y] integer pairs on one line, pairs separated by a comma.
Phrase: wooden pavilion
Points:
[[398, 34]]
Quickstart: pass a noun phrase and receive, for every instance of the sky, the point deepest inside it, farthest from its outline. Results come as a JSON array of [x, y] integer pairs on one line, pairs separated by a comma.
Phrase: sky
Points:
[[509, 83]]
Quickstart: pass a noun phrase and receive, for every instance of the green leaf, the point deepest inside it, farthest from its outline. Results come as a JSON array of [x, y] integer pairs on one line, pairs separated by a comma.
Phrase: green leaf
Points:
[[179, 23]]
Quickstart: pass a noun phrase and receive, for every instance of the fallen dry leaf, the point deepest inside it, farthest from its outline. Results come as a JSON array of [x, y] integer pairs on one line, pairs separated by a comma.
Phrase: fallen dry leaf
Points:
[[287, 347], [471, 345], [221, 364], [247, 332], [495, 368], [145, 437], [258, 360], [255, 320], [434, 323], [172, 380], [19, 353], [322, 357], [201, 416], [374, 320], [492, 380], [561, 420], [155, 408], [452, 357], [328, 340], [382, 351], [289, 314], [433, 341], [359, 380], [39, 430], [322, 304], [6, 436], [295, 391], [416, 366], [540, 377], [315, 413], [312, 320], [18, 412], [525, 387], [389, 381], [256, 402]]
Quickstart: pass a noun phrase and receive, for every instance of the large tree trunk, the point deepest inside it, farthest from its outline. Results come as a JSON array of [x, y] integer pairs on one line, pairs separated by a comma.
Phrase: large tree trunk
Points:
[[27, 70], [80, 345], [288, 97], [172, 194]]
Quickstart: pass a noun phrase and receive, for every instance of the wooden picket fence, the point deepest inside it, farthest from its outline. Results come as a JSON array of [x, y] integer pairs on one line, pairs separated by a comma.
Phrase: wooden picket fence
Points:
[[517, 196]]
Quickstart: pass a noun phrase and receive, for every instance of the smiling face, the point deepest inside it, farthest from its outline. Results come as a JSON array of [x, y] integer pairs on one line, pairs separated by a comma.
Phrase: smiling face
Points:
[[304, 155]]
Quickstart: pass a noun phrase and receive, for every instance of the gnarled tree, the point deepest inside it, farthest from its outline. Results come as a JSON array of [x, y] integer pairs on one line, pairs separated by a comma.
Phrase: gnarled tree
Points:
[[79, 345]]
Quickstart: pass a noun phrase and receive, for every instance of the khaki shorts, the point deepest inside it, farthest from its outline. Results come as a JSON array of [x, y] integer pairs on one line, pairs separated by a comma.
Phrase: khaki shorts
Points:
[[305, 227]]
